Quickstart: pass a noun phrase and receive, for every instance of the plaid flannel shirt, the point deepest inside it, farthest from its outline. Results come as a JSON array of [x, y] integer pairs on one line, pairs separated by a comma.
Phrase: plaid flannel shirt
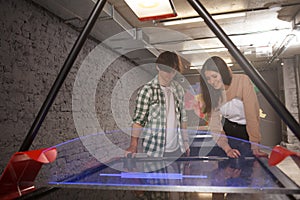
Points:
[[150, 112]]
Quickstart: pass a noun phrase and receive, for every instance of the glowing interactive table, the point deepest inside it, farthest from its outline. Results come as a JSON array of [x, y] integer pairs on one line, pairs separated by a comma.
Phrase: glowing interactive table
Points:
[[77, 167]]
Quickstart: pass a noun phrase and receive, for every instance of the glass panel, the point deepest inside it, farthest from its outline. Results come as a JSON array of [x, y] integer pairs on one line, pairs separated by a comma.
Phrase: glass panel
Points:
[[79, 165]]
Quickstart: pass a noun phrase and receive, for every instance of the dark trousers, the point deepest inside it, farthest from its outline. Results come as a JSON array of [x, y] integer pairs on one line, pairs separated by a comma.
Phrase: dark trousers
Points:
[[238, 138]]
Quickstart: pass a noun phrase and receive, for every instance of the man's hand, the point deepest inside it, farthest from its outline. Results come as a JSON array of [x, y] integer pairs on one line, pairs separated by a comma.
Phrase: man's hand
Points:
[[135, 133], [131, 150]]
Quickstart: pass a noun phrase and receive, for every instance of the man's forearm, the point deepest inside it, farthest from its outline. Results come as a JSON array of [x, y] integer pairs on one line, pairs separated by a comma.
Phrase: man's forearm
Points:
[[135, 134], [185, 135]]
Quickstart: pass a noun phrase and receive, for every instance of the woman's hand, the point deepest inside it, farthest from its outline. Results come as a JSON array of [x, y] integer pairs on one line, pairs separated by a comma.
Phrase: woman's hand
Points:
[[233, 153], [187, 152], [258, 153]]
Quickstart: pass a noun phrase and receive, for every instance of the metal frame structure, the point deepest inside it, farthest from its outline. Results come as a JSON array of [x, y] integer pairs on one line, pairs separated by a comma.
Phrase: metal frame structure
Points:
[[284, 184], [247, 67]]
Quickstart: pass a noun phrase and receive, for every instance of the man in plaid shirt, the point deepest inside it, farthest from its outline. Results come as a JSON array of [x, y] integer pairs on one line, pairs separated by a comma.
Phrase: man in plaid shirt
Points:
[[160, 118]]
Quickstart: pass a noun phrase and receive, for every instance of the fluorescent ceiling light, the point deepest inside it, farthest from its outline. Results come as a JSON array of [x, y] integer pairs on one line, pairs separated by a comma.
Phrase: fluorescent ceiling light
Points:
[[182, 21], [196, 67], [200, 66], [209, 50], [152, 9], [199, 19], [275, 7]]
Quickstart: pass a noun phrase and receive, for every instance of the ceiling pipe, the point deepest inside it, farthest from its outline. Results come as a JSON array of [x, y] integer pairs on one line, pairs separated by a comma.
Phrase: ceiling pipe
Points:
[[283, 46], [214, 37], [136, 33], [248, 68]]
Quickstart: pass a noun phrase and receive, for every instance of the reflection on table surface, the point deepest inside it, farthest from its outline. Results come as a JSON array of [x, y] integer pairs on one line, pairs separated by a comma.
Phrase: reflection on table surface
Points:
[[246, 172], [92, 162], [206, 174]]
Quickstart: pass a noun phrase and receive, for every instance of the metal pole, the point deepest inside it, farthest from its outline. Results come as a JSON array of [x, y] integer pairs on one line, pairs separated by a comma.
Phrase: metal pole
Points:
[[62, 75], [248, 68]]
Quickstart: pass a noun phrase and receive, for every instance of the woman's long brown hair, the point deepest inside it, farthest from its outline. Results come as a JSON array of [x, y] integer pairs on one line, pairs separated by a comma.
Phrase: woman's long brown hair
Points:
[[211, 96]]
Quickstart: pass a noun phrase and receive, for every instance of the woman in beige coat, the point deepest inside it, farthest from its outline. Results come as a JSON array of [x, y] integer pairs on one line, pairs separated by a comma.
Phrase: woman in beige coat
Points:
[[232, 106]]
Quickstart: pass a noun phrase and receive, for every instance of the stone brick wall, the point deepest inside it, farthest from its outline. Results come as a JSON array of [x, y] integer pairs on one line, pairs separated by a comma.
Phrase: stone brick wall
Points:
[[291, 95], [34, 45]]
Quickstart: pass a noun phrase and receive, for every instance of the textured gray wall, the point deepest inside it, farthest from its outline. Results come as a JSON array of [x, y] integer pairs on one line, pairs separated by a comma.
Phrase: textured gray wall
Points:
[[34, 45], [270, 121], [291, 100]]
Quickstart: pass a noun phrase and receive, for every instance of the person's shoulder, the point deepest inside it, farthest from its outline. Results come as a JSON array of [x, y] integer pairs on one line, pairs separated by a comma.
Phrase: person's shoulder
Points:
[[149, 86], [177, 85], [241, 77], [242, 81], [146, 87]]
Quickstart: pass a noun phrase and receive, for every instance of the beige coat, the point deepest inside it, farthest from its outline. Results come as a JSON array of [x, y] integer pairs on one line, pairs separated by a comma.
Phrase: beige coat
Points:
[[242, 88]]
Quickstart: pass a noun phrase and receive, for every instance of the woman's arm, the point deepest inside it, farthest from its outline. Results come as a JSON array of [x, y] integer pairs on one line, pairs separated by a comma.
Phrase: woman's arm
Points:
[[215, 126], [251, 107]]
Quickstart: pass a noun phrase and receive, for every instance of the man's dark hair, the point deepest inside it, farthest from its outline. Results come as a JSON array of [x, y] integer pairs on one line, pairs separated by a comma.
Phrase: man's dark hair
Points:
[[168, 61]]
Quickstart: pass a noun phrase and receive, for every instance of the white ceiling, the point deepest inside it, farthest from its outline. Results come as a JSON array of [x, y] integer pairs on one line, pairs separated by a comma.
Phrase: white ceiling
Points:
[[259, 34]]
